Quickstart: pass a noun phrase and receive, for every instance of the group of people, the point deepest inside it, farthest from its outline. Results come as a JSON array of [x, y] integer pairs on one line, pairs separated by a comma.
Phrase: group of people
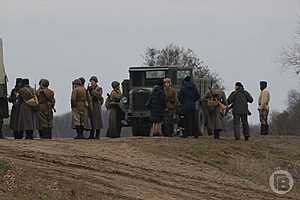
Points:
[[217, 106], [163, 103], [33, 109], [164, 99], [86, 105]]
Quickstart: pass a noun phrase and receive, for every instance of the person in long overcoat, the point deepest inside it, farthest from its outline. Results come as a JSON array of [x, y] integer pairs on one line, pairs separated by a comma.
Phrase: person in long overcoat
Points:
[[171, 103], [27, 115], [239, 100], [46, 107], [79, 106], [188, 96], [215, 101], [95, 114], [157, 105], [115, 112], [15, 110]]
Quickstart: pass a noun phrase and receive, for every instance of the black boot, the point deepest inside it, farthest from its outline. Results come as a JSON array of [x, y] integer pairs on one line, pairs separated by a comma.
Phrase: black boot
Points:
[[19, 135], [246, 138], [1, 135], [29, 135], [97, 134], [92, 134], [42, 134], [79, 131], [216, 134], [49, 133], [263, 129]]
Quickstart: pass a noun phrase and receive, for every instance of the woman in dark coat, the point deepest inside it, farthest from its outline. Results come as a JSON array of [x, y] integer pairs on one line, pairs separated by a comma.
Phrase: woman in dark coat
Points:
[[15, 100], [157, 106]]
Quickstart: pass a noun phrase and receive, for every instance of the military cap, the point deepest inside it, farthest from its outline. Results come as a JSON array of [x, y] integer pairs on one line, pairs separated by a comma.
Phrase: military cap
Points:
[[94, 78], [77, 82]]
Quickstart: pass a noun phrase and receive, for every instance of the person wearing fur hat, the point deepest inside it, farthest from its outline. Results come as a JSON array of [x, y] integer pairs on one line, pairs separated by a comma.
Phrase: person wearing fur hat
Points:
[[46, 107], [115, 112], [14, 99], [79, 106], [239, 100], [27, 114], [95, 113], [263, 107]]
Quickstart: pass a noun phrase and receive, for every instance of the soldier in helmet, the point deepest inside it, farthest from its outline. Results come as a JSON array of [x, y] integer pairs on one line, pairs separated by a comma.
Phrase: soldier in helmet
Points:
[[28, 107], [46, 108], [115, 113], [15, 100], [79, 106], [95, 92]]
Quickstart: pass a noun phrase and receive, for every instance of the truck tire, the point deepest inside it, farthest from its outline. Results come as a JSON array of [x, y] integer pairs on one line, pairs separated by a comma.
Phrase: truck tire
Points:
[[141, 127]]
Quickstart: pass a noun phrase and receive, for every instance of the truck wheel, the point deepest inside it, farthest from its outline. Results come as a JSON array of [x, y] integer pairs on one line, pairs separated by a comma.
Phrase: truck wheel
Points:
[[141, 127]]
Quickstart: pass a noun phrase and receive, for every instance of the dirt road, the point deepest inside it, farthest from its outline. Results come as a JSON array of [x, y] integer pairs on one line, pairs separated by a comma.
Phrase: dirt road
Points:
[[145, 168]]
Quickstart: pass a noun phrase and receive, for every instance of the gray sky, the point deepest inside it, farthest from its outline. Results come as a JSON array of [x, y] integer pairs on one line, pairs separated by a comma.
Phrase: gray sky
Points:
[[64, 39]]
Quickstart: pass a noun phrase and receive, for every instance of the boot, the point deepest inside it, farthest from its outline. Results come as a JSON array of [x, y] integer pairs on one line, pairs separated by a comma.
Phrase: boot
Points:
[[262, 129], [1, 135], [18, 135], [216, 135], [92, 134], [29, 135], [246, 138], [97, 134], [49, 133], [267, 130], [79, 131]]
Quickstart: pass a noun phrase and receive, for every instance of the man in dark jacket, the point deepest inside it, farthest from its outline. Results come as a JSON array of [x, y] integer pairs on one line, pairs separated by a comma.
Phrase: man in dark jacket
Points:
[[239, 100], [188, 96]]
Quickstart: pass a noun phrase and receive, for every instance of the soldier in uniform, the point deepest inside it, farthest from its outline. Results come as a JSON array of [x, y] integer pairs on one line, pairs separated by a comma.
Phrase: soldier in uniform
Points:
[[46, 107], [115, 112], [215, 100], [263, 103], [79, 106], [15, 100], [171, 102], [28, 107], [95, 92]]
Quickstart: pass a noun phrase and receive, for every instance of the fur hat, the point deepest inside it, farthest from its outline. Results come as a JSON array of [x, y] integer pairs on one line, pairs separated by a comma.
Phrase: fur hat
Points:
[[239, 84], [25, 81], [115, 84], [44, 83], [82, 80], [77, 82]]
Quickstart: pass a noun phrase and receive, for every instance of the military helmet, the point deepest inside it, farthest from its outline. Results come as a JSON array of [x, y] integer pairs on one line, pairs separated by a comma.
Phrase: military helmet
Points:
[[82, 80], [115, 84], [94, 78], [44, 83]]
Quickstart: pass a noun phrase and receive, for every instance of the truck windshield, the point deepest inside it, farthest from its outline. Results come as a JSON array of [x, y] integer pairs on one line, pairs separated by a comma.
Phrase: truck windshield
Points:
[[153, 76]]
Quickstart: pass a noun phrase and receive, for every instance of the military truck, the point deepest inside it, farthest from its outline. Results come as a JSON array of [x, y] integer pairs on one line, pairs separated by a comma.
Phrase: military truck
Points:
[[4, 112], [137, 89]]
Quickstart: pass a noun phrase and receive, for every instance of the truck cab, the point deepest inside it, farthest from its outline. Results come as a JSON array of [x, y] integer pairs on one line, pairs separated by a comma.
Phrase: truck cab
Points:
[[137, 90]]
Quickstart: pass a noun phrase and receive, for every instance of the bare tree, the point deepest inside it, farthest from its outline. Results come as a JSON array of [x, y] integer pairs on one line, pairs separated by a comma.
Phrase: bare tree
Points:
[[176, 55]]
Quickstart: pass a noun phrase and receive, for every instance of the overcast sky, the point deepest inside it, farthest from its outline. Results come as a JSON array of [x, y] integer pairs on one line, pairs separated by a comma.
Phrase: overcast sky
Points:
[[64, 39]]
